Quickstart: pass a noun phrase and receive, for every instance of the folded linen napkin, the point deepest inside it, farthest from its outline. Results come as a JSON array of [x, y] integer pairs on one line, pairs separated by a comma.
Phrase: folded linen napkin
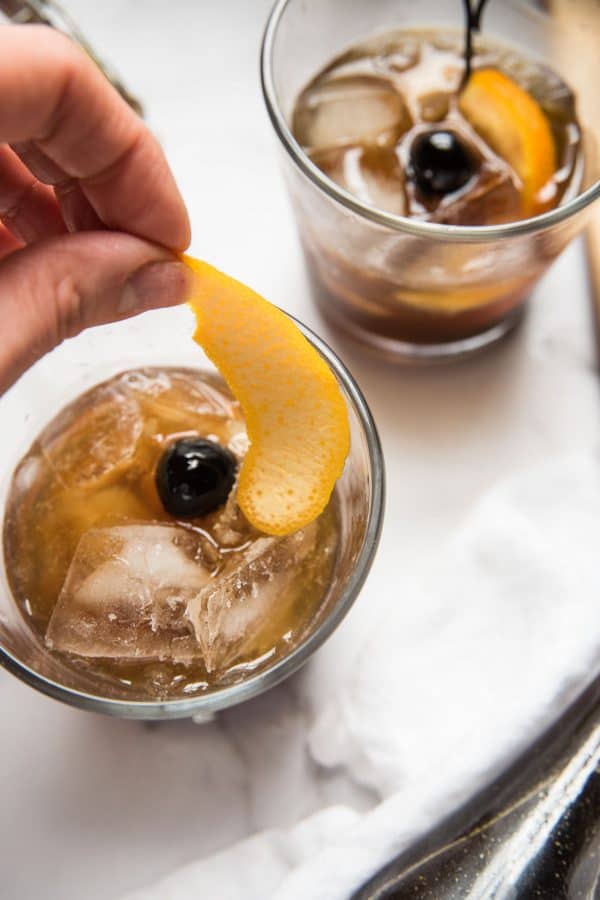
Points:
[[464, 667], [254, 868]]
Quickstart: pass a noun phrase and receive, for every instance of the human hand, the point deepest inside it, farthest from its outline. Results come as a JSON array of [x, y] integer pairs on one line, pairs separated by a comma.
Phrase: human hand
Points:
[[90, 216]]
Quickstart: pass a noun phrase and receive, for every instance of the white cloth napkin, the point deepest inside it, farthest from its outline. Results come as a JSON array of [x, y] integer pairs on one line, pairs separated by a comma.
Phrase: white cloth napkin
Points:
[[465, 666]]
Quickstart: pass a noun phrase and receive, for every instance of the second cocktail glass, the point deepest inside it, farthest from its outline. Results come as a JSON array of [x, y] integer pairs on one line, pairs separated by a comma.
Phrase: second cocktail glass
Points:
[[412, 289]]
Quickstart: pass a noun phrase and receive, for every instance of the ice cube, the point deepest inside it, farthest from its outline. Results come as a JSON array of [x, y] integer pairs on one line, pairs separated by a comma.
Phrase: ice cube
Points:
[[248, 603], [362, 109], [399, 55], [229, 526], [94, 438], [179, 398], [494, 197], [384, 54], [438, 70], [373, 175], [126, 593]]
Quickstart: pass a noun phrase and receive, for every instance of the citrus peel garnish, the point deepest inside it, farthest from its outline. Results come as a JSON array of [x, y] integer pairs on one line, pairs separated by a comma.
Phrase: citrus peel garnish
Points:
[[515, 126], [295, 413]]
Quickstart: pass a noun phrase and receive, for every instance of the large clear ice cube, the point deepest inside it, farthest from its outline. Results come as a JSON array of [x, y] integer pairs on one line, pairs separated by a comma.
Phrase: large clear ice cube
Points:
[[438, 70], [185, 401], [126, 594], [493, 198], [360, 109], [85, 446], [183, 395], [250, 599], [373, 175]]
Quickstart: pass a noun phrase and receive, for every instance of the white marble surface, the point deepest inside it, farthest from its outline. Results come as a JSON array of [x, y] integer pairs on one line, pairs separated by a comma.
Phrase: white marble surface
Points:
[[92, 807]]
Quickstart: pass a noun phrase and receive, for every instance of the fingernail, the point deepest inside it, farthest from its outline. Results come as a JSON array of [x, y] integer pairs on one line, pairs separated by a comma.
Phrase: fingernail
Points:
[[154, 285]]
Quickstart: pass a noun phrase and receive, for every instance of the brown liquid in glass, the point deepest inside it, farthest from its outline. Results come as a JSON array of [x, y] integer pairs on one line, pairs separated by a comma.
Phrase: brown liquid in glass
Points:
[[357, 120], [93, 468]]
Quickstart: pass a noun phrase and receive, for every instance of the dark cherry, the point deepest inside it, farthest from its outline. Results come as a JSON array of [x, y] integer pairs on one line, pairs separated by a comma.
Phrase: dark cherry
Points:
[[194, 476], [440, 163]]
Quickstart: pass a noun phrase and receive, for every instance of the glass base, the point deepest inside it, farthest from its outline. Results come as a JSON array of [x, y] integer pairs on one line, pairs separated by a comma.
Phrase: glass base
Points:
[[412, 354]]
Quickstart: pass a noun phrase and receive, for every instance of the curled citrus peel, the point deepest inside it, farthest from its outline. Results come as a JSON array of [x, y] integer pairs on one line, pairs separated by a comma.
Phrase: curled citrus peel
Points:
[[516, 127], [295, 413]]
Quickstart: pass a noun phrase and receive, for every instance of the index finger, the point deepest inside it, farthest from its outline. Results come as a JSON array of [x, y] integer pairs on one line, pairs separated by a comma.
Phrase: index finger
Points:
[[59, 99]]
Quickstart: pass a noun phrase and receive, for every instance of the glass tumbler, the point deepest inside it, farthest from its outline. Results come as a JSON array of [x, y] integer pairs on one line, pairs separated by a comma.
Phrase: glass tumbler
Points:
[[415, 290], [98, 354]]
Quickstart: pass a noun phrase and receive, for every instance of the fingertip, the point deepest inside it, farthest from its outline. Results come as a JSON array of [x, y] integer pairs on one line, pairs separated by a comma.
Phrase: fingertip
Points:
[[154, 285], [182, 235], [186, 240]]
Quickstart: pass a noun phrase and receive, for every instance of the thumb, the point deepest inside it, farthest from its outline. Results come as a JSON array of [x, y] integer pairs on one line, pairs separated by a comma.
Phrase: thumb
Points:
[[54, 289]]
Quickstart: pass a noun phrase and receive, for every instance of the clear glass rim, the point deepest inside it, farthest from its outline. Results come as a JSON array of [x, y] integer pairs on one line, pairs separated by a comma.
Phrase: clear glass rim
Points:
[[457, 233], [256, 684]]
